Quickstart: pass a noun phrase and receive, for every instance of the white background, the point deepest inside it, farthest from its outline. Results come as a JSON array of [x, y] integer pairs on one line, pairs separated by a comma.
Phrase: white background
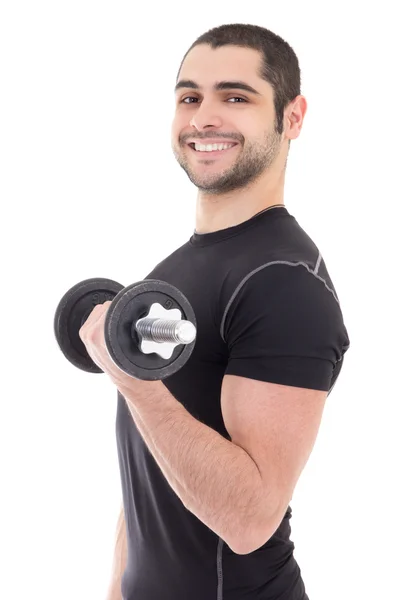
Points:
[[90, 187]]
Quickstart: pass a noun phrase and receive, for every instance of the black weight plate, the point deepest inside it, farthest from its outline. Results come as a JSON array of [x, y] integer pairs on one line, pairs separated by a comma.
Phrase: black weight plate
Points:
[[132, 304], [73, 310]]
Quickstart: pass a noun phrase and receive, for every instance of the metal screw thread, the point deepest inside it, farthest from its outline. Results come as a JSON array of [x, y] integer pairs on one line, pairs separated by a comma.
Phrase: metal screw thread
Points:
[[166, 330]]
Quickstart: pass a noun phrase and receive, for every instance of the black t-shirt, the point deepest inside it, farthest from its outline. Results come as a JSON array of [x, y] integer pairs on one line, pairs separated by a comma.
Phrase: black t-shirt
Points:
[[266, 308]]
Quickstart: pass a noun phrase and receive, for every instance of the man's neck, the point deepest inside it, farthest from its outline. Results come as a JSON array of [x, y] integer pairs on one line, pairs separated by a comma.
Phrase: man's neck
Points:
[[214, 213]]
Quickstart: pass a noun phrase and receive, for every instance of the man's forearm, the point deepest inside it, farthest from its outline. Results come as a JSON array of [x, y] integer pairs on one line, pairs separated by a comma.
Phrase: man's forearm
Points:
[[215, 479], [164, 466]]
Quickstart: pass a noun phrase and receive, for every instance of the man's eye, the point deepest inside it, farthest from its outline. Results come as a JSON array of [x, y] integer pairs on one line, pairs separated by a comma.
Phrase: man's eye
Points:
[[232, 98]]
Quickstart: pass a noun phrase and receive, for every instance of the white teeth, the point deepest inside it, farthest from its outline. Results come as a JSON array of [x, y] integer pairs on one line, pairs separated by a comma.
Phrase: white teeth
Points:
[[212, 147]]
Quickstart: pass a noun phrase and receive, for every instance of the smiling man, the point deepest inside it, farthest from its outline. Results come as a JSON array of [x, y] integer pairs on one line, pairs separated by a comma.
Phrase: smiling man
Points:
[[211, 456], [234, 112]]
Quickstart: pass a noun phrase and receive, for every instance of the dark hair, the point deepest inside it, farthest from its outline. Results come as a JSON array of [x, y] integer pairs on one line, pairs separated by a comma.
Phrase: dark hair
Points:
[[280, 65]]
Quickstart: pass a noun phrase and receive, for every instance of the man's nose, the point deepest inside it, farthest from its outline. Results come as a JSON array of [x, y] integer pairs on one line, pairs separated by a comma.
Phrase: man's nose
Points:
[[206, 116]]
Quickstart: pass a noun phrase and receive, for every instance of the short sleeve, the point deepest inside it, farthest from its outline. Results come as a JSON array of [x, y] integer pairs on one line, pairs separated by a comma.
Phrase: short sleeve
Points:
[[285, 325]]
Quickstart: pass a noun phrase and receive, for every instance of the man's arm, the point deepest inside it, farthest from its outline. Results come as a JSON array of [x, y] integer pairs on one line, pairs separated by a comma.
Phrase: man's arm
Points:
[[215, 479], [119, 563], [157, 455]]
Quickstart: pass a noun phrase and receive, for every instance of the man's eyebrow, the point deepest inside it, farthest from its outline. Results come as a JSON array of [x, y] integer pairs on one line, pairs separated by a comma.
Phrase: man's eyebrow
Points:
[[220, 85]]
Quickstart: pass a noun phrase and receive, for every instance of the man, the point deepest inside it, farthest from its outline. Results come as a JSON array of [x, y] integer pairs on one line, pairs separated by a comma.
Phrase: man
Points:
[[210, 456]]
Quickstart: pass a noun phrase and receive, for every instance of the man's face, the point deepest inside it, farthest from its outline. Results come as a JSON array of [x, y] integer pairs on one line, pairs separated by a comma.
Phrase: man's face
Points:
[[206, 115]]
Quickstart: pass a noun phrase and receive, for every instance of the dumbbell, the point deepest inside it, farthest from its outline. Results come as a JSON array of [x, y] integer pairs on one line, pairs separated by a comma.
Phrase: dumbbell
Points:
[[149, 330]]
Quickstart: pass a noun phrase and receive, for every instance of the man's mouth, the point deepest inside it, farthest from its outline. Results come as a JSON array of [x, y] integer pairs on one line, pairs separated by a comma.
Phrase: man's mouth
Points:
[[211, 149]]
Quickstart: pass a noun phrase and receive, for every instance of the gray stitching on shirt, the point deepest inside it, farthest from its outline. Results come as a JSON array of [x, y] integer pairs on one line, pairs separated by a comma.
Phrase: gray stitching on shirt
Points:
[[220, 570], [275, 262], [318, 263]]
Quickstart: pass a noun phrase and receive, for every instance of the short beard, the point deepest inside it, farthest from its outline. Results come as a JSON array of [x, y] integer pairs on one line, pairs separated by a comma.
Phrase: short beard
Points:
[[249, 166]]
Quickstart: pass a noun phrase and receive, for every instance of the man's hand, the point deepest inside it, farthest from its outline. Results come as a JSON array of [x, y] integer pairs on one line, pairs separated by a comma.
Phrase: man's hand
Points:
[[92, 335]]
